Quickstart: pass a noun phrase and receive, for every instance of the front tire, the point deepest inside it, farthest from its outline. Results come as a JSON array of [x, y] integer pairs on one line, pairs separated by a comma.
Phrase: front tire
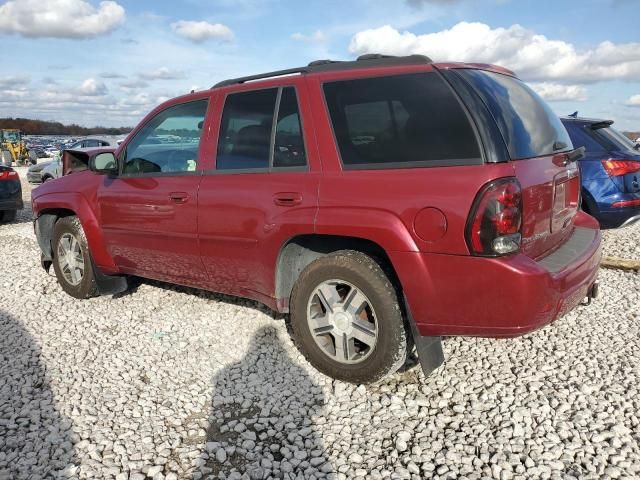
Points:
[[72, 260], [346, 318]]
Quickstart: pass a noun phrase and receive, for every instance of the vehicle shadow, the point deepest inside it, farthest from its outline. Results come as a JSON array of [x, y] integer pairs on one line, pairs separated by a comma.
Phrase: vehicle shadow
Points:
[[134, 283], [24, 215], [35, 440], [261, 422]]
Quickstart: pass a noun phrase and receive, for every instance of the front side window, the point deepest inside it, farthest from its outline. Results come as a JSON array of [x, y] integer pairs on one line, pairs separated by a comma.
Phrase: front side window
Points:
[[247, 139], [169, 142], [400, 121]]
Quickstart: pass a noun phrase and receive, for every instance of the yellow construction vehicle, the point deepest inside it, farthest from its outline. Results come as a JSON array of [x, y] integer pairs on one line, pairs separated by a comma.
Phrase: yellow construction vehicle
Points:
[[12, 147]]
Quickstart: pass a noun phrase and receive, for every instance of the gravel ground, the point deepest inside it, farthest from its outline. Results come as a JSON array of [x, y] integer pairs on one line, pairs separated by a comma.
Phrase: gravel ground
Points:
[[169, 382]]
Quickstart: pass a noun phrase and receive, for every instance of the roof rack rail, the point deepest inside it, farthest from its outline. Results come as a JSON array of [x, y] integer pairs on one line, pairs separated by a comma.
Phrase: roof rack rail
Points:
[[277, 73], [363, 61]]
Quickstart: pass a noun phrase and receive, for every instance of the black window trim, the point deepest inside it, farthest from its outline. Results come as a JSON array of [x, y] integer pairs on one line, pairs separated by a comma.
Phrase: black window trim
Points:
[[274, 125], [165, 174], [462, 162]]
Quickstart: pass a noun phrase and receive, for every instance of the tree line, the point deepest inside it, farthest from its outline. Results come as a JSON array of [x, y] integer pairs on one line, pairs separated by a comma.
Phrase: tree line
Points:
[[42, 127]]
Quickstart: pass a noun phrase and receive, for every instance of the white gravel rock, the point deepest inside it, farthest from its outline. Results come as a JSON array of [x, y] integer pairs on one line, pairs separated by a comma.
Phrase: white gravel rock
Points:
[[175, 383]]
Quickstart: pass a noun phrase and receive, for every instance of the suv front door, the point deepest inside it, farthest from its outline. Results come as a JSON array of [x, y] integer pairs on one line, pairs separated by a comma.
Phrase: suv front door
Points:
[[148, 212]]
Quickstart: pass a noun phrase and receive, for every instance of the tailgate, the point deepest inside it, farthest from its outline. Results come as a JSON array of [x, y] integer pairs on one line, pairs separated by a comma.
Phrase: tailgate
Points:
[[551, 197]]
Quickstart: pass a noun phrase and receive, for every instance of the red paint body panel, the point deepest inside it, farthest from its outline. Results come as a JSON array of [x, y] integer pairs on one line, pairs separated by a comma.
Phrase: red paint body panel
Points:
[[146, 232], [496, 297], [228, 232]]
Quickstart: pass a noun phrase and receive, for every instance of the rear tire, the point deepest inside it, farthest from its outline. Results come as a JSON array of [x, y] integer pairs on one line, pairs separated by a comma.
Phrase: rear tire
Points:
[[8, 216], [72, 260], [372, 311]]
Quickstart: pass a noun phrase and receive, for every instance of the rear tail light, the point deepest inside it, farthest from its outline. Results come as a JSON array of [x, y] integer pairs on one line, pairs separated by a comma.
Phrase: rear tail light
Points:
[[494, 225], [8, 174], [617, 168], [626, 203]]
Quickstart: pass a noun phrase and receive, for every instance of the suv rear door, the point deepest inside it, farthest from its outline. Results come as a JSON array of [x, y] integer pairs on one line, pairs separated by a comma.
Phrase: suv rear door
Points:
[[262, 188]]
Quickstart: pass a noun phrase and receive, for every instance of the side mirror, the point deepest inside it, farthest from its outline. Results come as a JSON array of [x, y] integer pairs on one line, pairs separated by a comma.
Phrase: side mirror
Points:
[[104, 164]]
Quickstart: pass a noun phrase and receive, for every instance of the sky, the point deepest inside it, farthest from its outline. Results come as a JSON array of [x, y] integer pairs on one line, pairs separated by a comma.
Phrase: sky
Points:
[[109, 63]]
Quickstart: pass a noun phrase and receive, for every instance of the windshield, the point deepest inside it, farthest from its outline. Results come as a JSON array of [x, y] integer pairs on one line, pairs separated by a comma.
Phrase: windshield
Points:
[[617, 139], [528, 125], [11, 136]]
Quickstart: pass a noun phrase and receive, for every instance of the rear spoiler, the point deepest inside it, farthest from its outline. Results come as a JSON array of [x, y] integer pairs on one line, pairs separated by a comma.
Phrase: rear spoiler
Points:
[[601, 124], [78, 160]]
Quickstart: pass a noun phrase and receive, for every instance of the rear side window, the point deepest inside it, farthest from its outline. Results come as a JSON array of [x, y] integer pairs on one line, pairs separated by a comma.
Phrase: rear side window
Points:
[[247, 140], [400, 121], [528, 125]]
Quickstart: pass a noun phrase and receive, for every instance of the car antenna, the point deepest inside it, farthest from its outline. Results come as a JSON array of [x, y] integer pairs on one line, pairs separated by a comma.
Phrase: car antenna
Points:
[[574, 114]]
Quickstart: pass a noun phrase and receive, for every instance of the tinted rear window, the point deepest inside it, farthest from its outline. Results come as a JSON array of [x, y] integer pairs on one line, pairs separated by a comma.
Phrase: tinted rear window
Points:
[[581, 136], [615, 140], [527, 123], [400, 121]]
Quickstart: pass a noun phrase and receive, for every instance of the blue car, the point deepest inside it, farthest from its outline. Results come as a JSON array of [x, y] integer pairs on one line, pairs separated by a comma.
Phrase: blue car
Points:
[[610, 171]]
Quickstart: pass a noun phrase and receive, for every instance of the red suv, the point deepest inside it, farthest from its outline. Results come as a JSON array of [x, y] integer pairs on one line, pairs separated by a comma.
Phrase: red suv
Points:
[[382, 203]]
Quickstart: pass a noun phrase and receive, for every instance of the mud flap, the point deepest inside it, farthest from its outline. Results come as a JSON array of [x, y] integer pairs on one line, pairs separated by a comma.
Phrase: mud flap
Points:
[[429, 349], [108, 284]]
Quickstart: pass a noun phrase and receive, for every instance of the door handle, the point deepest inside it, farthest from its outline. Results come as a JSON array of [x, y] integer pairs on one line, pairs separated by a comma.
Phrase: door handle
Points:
[[178, 197], [287, 199]]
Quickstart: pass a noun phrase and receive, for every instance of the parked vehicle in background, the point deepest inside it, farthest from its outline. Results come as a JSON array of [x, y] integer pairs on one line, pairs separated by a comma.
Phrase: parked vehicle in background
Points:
[[610, 171], [91, 142], [51, 170], [382, 203], [34, 173], [10, 194], [48, 170], [37, 152], [12, 147]]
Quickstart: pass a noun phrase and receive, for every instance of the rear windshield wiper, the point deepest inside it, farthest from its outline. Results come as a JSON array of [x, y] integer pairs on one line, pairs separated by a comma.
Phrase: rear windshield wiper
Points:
[[559, 145], [575, 155]]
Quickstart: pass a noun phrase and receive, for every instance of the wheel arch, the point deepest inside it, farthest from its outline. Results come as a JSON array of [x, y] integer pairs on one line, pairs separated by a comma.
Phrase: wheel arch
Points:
[[299, 251], [51, 207]]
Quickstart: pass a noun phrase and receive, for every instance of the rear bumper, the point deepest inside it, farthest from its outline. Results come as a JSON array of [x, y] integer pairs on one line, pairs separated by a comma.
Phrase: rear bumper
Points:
[[491, 297], [13, 204]]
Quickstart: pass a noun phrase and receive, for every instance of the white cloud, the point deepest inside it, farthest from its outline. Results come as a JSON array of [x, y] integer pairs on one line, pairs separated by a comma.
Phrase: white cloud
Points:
[[133, 84], [111, 75], [92, 88], [422, 3], [634, 101], [532, 56], [556, 92], [60, 18], [199, 32], [13, 81], [162, 73], [316, 37]]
